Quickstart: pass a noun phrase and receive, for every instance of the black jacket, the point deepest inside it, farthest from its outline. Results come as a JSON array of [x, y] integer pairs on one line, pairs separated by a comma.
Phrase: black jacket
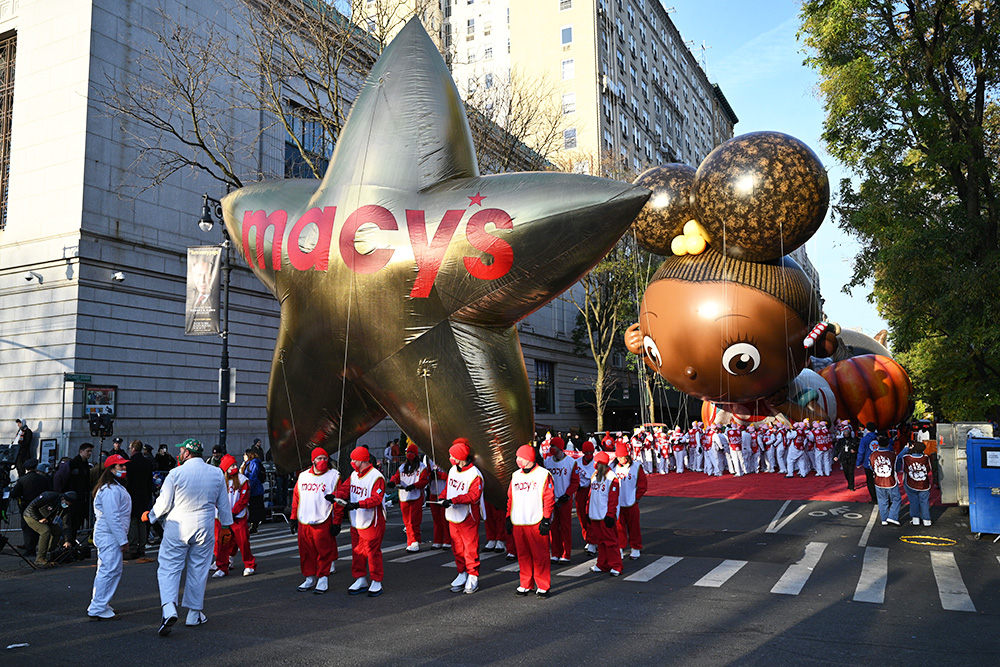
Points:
[[139, 481], [79, 477], [29, 487], [46, 506]]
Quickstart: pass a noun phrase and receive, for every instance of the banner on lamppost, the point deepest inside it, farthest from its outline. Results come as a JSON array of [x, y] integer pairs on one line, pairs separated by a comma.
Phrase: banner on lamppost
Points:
[[201, 310]]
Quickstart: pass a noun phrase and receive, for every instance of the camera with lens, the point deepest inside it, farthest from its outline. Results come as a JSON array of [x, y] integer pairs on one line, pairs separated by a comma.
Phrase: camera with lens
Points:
[[101, 425]]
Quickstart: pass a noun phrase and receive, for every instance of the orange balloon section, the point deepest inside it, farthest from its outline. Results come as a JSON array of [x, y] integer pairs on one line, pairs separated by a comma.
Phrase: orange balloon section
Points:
[[870, 388]]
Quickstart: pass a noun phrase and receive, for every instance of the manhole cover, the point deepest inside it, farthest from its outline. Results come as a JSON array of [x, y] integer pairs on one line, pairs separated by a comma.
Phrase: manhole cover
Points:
[[928, 540], [694, 533]]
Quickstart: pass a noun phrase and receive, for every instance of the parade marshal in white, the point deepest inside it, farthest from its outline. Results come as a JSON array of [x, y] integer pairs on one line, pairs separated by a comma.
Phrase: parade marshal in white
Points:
[[191, 495]]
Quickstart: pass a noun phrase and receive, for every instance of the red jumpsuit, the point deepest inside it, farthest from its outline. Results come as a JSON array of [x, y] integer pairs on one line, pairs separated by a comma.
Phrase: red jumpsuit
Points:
[[530, 498], [437, 484], [565, 480], [317, 547], [241, 530], [366, 541], [412, 510], [465, 490], [632, 487], [604, 503], [495, 529]]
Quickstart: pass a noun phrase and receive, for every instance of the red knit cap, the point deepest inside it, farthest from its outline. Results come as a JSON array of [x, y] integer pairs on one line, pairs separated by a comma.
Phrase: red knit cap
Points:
[[318, 451], [361, 454], [621, 449], [587, 447], [558, 443], [526, 452], [227, 462], [602, 457], [460, 450], [412, 447]]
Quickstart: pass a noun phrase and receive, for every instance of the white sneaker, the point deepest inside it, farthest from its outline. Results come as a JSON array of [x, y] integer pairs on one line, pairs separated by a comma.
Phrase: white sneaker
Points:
[[927, 522], [213, 567], [436, 545], [500, 547], [333, 567], [218, 574], [413, 547], [615, 573], [309, 583], [195, 618], [360, 585], [322, 586], [491, 544], [472, 584], [375, 589], [446, 546], [594, 568], [459, 582], [634, 555], [169, 618], [248, 571], [915, 521], [591, 548]]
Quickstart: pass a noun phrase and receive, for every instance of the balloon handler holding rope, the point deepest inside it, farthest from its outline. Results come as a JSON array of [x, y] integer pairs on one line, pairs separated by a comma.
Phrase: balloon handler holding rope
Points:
[[730, 317]]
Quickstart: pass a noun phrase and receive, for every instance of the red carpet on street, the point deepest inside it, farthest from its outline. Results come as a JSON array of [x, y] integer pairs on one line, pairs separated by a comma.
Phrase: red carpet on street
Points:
[[764, 486]]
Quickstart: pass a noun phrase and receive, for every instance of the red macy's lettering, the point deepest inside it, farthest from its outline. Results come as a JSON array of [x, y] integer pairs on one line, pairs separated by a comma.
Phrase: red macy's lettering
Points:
[[427, 253], [358, 492], [525, 486], [313, 486]]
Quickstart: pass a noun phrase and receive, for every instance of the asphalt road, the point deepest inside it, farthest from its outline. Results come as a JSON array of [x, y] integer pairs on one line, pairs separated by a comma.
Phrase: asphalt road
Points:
[[719, 582]]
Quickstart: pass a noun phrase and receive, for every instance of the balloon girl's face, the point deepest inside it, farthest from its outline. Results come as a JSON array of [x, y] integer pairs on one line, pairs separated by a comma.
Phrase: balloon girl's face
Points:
[[720, 341]]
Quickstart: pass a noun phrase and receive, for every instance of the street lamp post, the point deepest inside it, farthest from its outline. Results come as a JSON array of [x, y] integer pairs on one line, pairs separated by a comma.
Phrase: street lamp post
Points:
[[206, 222]]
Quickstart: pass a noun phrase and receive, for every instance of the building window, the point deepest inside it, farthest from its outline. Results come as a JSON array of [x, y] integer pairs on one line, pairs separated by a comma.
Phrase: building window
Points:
[[487, 28], [545, 394], [308, 129], [471, 55], [488, 53], [7, 52], [470, 30], [569, 138], [565, 4], [566, 35], [568, 71], [568, 103]]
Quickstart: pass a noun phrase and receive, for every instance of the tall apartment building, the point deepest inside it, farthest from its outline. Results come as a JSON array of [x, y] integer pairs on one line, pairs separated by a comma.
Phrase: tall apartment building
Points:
[[632, 93]]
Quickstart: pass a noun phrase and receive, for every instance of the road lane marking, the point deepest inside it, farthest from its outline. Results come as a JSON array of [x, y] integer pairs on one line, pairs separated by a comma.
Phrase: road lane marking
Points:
[[951, 588], [775, 526], [874, 574], [414, 556], [276, 551], [579, 570], [797, 574], [868, 529], [482, 557], [657, 567], [721, 574]]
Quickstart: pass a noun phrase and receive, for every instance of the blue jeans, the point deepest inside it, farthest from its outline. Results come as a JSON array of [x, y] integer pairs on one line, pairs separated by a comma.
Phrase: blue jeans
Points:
[[889, 501], [920, 503]]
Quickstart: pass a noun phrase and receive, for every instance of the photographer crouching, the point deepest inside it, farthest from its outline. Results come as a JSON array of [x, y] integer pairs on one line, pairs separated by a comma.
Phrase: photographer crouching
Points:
[[42, 515]]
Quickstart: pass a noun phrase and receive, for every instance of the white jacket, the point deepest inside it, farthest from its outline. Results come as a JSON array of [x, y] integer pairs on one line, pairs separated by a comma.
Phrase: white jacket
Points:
[[113, 509], [190, 496]]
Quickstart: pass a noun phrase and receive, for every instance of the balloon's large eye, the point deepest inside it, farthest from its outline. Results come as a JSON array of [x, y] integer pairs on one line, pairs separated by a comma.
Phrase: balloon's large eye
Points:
[[741, 359], [652, 352]]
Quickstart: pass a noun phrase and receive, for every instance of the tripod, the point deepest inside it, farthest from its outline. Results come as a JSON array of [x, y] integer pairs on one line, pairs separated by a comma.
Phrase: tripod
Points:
[[4, 543]]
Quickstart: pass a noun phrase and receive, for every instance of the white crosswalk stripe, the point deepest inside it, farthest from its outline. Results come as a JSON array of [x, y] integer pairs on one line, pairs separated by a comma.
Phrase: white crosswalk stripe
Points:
[[657, 567], [579, 570], [797, 574], [951, 587], [721, 574], [874, 574]]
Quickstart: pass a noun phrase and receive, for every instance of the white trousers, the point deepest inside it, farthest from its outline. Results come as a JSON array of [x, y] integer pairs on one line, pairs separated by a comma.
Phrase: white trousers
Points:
[[109, 573], [662, 464], [695, 461], [769, 459], [797, 461], [175, 554], [679, 460], [824, 462], [737, 465], [781, 454]]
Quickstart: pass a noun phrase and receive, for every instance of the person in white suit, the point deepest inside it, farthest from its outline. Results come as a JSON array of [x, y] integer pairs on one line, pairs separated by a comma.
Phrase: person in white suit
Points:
[[113, 510], [189, 499]]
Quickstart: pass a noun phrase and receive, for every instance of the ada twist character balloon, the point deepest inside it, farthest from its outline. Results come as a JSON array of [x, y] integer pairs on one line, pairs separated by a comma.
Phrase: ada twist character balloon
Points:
[[402, 273]]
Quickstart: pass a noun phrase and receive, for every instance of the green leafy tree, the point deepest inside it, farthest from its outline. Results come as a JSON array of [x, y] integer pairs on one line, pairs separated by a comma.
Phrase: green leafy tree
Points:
[[910, 91]]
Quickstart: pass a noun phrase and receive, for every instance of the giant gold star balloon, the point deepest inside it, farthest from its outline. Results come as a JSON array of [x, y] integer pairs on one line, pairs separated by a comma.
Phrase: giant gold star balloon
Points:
[[402, 273]]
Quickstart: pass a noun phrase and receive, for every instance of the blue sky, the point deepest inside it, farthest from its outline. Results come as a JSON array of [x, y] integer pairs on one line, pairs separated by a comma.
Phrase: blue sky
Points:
[[756, 59]]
